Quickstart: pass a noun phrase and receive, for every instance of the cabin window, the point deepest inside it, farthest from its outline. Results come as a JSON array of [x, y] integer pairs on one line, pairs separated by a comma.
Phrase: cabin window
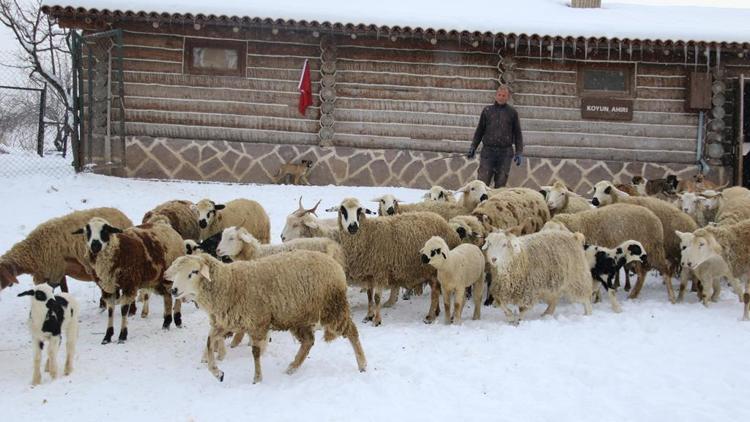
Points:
[[605, 80], [214, 57]]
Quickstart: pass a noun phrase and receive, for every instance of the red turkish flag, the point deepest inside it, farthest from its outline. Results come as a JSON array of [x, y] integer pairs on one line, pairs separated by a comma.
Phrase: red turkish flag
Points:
[[305, 89]]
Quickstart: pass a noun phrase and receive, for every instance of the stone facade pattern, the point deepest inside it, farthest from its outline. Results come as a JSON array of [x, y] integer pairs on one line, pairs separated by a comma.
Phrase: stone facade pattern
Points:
[[236, 162]]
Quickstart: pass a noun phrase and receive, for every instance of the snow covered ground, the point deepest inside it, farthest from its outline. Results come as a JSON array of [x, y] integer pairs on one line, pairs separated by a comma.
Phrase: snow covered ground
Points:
[[655, 361]]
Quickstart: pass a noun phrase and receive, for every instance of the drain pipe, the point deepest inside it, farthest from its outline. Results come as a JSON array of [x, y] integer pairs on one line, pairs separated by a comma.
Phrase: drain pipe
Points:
[[699, 160]]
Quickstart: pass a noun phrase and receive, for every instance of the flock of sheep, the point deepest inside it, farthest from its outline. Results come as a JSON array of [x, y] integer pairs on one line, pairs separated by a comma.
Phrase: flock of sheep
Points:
[[527, 246]]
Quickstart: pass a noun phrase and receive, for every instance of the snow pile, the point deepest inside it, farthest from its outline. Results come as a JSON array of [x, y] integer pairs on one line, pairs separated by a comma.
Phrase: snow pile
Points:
[[655, 361], [543, 17]]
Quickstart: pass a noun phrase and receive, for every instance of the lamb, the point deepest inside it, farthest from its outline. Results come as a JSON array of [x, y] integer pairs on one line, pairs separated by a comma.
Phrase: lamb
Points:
[[132, 259], [605, 264], [457, 269], [50, 252], [289, 291], [51, 317], [520, 277], [384, 252], [237, 244], [511, 207], [208, 245], [180, 215], [469, 229], [439, 193], [213, 218], [715, 252], [304, 223], [614, 224], [671, 218], [560, 200]]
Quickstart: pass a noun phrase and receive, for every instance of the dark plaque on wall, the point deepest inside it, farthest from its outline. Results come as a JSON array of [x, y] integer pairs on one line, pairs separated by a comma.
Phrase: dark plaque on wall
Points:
[[603, 108]]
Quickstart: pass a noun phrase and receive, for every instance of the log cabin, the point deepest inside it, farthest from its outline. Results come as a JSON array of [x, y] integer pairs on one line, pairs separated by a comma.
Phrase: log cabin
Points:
[[209, 91]]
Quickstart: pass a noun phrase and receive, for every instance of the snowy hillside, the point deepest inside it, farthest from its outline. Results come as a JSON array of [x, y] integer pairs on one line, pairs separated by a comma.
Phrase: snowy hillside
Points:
[[655, 361]]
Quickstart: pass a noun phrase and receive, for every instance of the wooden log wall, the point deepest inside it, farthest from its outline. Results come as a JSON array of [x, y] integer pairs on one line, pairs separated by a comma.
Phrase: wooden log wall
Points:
[[162, 100], [405, 94]]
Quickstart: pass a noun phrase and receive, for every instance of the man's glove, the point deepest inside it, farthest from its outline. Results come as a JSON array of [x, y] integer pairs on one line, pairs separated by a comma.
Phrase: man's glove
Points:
[[471, 152], [518, 159]]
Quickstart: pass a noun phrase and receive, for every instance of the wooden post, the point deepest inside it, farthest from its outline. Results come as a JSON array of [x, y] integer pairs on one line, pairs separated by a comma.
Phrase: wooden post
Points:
[[40, 130]]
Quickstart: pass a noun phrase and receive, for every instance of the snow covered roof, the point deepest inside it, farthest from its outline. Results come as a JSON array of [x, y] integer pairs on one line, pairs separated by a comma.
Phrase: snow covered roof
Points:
[[538, 18]]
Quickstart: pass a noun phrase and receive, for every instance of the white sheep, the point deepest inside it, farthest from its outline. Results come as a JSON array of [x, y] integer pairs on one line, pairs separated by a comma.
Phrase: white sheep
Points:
[[290, 291], [383, 252], [51, 317], [457, 269], [304, 223], [561, 200], [213, 218], [538, 267], [439, 193], [716, 252]]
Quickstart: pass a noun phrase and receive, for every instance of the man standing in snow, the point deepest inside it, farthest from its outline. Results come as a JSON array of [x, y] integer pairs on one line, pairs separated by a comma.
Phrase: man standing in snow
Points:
[[500, 130]]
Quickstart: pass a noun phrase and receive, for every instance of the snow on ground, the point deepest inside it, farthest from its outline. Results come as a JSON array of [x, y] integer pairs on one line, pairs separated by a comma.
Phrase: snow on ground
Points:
[[655, 361]]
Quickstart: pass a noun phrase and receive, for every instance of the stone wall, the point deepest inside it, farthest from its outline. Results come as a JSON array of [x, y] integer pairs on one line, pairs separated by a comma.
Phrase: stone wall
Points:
[[164, 158]]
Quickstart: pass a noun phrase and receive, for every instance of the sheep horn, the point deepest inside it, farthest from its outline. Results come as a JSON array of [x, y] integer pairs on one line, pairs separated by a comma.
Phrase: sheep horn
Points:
[[313, 209], [301, 208]]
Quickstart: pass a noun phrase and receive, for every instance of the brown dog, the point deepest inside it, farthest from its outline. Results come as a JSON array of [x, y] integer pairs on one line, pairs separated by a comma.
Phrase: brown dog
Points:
[[296, 173]]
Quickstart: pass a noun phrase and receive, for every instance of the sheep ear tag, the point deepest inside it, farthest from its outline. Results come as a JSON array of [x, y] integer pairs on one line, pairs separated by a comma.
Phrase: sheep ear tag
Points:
[[205, 273]]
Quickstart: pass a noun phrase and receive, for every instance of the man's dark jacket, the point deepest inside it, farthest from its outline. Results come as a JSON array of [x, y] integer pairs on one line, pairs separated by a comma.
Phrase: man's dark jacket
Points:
[[499, 127]]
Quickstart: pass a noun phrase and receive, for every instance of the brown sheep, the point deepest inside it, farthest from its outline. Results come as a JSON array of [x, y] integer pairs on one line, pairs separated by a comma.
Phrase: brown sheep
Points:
[[132, 259], [180, 215]]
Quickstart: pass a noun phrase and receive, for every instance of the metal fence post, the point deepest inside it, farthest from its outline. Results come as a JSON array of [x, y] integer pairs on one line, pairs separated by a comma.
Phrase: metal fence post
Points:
[[40, 132]]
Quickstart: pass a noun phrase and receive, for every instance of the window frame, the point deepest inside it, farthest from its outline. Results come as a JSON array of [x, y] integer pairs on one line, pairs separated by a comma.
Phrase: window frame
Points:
[[240, 46], [629, 91]]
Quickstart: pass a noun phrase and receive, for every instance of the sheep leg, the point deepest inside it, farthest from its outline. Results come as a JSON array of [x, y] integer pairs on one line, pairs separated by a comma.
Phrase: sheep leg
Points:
[[627, 281], [670, 289], [376, 320], [167, 311], [508, 313], [36, 378], [551, 306], [54, 346], [64, 284], [617, 280], [407, 294], [70, 346], [746, 299], [177, 312], [352, 334], [258, 337], [124, 311], [522, 310], [447, 305], [717, 290], [683, 286], [638, 284], [110, 301], [434, 302], [370, 310], [210, 357], [392, 298], [478, 291], [735, 285], [237, 339], [490, 300], [144, 297], [458, 307], [418, 289], [306, 337]]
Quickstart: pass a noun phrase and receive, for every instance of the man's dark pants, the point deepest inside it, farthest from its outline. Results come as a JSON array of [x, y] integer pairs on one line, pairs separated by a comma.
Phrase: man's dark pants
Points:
[[494, 163]]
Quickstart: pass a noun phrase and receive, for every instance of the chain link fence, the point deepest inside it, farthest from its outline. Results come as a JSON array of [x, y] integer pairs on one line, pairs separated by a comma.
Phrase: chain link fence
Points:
[[31, 137]]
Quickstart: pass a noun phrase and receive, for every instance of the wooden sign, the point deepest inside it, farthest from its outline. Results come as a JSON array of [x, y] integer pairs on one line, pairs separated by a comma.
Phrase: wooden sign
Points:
[[602, 108]]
